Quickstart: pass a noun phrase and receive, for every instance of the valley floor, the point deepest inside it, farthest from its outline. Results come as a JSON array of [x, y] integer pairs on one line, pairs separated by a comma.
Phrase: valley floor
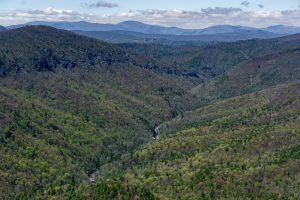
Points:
[[246, 147]]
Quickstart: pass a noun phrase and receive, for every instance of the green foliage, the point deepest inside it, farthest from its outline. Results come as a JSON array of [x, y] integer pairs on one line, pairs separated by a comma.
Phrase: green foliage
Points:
[[252, 75], [77, 118], [241, 148], [289, 153], [61, 124]]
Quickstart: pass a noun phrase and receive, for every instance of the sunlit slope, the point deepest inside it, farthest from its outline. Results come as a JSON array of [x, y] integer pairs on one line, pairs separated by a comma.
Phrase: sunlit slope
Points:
[[69, 105], [247, 147]]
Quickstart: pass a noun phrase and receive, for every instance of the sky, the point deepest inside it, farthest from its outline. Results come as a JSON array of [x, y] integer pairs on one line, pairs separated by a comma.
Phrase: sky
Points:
[[180, 13]]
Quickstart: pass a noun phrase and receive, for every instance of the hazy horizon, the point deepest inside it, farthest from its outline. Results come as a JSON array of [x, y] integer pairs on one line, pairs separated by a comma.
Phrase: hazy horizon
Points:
[[188, 14], [166, 26]]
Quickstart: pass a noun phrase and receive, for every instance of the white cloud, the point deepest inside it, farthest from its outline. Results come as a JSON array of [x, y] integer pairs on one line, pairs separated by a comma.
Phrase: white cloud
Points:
[[102, 4], [182, 18], [48, 14], [221, 11]]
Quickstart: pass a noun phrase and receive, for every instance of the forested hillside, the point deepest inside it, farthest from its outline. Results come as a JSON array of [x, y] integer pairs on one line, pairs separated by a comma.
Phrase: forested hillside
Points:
[[241, 148], [67, 110], [84, 119], [211, 60], [42, 48], [253, 75]]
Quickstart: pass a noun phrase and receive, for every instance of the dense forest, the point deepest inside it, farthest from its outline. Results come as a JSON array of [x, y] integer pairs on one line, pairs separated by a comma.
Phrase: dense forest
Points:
[[84, 119]]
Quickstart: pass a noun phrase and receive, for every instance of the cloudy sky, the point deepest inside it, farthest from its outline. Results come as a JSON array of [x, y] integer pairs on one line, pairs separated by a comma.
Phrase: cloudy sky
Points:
[[181, 13]]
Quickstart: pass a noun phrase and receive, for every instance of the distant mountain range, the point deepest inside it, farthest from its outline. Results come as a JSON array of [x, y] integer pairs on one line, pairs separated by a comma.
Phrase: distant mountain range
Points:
[[2, 28], [130, 31], [281, 29], [128, 36], [124, 26], [134, 26]]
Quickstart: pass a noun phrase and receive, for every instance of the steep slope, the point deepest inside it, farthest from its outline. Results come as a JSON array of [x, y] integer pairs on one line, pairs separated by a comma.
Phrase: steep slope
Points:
[[50, 48], [70, 104], [246, 147], [77, 117], [210, 60], [253, 75], [222, 56]]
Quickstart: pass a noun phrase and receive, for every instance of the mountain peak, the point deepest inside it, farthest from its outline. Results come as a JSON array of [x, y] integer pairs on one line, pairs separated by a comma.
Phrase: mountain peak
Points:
[[131, 22], [279, 26], [50, 49], [282, 29], [2, 28]]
